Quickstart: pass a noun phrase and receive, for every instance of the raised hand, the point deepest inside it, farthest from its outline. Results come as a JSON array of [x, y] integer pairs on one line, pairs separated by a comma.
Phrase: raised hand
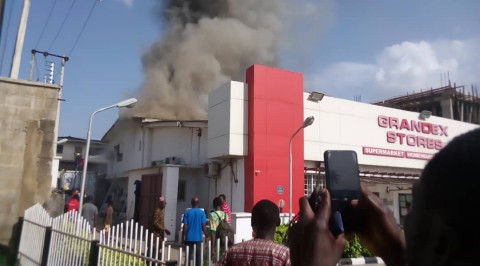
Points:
[[380, 232], [310, 239]]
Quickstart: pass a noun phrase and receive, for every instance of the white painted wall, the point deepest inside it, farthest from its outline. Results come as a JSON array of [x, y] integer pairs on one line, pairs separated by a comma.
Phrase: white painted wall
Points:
[[242, 225], [225, 184], [182, 142], [228, 120], [68, 153], [55, 170], [343, 124], [127, 133]]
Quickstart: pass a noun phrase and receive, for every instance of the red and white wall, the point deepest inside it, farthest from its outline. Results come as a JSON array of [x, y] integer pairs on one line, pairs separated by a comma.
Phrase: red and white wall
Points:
[[253, 122]]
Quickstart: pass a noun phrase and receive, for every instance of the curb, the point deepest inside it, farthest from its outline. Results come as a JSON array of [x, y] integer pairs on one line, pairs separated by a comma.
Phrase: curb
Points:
[[360, 261]]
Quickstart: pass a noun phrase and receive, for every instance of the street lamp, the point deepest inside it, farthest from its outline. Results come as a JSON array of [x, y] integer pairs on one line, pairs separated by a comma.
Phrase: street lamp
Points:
[[308, 121], [128, 104]]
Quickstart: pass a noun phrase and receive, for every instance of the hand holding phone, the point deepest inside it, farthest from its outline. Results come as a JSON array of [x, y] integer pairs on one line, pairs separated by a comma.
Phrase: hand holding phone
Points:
[[335, 220], [343, 183]]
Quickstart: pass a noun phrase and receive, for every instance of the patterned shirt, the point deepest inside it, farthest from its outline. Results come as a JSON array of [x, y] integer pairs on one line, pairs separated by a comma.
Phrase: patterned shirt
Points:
[[214, 218], [257, 252], [159, 223], [226, 209]]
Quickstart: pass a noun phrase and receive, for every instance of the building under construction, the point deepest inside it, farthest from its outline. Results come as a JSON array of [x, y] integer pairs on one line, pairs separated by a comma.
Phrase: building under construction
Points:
[[454, 102]]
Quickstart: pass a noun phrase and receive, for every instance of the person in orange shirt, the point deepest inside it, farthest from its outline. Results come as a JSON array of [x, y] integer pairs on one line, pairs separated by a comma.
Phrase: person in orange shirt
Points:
[[109, 215]]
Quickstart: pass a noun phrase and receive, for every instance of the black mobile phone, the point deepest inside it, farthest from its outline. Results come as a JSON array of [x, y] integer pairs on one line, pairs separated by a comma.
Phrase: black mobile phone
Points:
[[343, 183]]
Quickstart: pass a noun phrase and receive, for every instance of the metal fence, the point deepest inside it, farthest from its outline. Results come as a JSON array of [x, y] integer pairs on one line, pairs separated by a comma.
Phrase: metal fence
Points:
[[71, 237], [69, 240], [36, 220]]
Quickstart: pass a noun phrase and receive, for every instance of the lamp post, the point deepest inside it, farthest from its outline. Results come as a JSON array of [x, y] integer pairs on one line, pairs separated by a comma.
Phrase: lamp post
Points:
[[308, 121], [128, 104]]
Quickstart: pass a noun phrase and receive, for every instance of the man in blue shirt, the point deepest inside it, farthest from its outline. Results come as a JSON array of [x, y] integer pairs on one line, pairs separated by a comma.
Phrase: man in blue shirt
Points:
[[194, 226]]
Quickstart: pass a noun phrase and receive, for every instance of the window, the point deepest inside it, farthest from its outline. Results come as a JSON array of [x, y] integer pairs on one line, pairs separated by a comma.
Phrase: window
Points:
[[96, 151], [182, 190], [312, 180], [78, 149], [404, 203], [118, 154], [59, 149]]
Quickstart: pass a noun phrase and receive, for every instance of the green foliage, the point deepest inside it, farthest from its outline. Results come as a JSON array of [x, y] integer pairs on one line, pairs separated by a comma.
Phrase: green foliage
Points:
[[281, 234], [110, 257], [355, 249]]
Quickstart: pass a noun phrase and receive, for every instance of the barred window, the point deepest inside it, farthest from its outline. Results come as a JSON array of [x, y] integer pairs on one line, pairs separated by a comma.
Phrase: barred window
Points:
[[312, 179], [404, 205]]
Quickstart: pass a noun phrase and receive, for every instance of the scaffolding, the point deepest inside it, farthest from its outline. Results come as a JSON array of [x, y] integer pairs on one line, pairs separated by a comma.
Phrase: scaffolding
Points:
[[453, 102]]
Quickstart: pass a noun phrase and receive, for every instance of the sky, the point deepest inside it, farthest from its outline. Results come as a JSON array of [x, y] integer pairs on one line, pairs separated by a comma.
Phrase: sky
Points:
[[372, 50]]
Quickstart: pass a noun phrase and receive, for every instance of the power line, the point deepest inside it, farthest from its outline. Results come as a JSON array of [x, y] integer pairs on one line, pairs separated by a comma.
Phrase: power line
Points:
[[63, 24], [83, 27], [46, 23]]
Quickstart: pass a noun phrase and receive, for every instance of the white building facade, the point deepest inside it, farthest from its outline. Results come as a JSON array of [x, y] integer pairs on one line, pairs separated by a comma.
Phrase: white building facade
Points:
[[242, 150]]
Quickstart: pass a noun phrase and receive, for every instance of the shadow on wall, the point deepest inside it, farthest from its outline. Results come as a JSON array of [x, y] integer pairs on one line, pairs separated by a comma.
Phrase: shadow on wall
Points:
[[8, 254]]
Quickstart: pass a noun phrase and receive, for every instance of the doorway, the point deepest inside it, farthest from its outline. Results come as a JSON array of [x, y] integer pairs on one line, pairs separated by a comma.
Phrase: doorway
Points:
[[151, 191]]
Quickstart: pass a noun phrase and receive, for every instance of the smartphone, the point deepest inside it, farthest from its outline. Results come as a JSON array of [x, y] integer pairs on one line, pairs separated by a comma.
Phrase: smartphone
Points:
[[343, 183]]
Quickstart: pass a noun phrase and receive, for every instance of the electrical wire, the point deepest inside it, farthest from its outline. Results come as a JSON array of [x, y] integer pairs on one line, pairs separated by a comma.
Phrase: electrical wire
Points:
[[46, 23], [83, 27], [6, 36], [63, 24]]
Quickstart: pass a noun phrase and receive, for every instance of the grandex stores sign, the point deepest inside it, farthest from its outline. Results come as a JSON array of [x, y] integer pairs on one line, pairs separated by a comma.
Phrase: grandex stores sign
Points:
[[408, 132]]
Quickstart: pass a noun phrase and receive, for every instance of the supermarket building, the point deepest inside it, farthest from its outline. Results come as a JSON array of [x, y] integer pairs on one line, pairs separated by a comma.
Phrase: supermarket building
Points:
[[242, 150]]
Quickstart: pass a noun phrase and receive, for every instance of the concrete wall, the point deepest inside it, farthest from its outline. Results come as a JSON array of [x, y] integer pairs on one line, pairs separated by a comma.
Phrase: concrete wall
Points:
[[27, 119]]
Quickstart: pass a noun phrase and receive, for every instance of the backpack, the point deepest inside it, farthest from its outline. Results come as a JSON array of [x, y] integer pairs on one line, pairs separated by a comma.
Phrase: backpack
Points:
[[223, 230]]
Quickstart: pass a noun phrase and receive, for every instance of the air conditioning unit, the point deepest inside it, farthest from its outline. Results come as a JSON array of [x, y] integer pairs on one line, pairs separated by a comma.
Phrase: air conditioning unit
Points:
[[157, 163], [174, 160], [213, 169]]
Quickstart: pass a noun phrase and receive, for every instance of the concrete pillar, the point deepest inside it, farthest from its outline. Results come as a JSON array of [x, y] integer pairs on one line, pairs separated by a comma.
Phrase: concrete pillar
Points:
[[447, 108], [170, 191]]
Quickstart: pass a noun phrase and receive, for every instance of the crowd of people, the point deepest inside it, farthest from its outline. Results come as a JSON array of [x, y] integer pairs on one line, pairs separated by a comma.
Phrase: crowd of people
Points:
[[90, 210], [439, 229]]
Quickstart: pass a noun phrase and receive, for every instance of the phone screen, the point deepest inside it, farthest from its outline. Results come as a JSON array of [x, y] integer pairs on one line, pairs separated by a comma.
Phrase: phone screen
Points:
[[342, 173]]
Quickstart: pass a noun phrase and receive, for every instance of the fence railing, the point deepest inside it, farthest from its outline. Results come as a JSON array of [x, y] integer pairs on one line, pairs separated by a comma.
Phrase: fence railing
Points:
[[69, 240], [36, 220]]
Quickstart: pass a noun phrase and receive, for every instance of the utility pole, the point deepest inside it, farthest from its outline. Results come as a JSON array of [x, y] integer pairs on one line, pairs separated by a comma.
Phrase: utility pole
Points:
[[57, 119], [2, 11], [22, 28]]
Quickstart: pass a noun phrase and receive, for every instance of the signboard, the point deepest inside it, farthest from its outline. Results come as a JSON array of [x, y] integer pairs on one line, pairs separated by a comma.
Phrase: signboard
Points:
[[280, 190], [413, 133]]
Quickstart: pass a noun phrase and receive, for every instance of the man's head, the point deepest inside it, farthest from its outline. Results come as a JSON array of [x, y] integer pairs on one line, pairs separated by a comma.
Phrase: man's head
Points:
[[162, 202], [195, 202], [75, 195], [109, 201], [222, 198], [89, 199], [217, 202], [265, 218], [441, 226]]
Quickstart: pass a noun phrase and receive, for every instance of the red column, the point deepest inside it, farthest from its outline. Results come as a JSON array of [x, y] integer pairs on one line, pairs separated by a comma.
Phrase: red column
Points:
[[275, 112]]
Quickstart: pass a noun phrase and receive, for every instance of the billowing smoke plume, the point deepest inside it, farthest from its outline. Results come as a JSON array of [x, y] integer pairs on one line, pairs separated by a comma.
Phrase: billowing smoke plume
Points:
[[205, 44]]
